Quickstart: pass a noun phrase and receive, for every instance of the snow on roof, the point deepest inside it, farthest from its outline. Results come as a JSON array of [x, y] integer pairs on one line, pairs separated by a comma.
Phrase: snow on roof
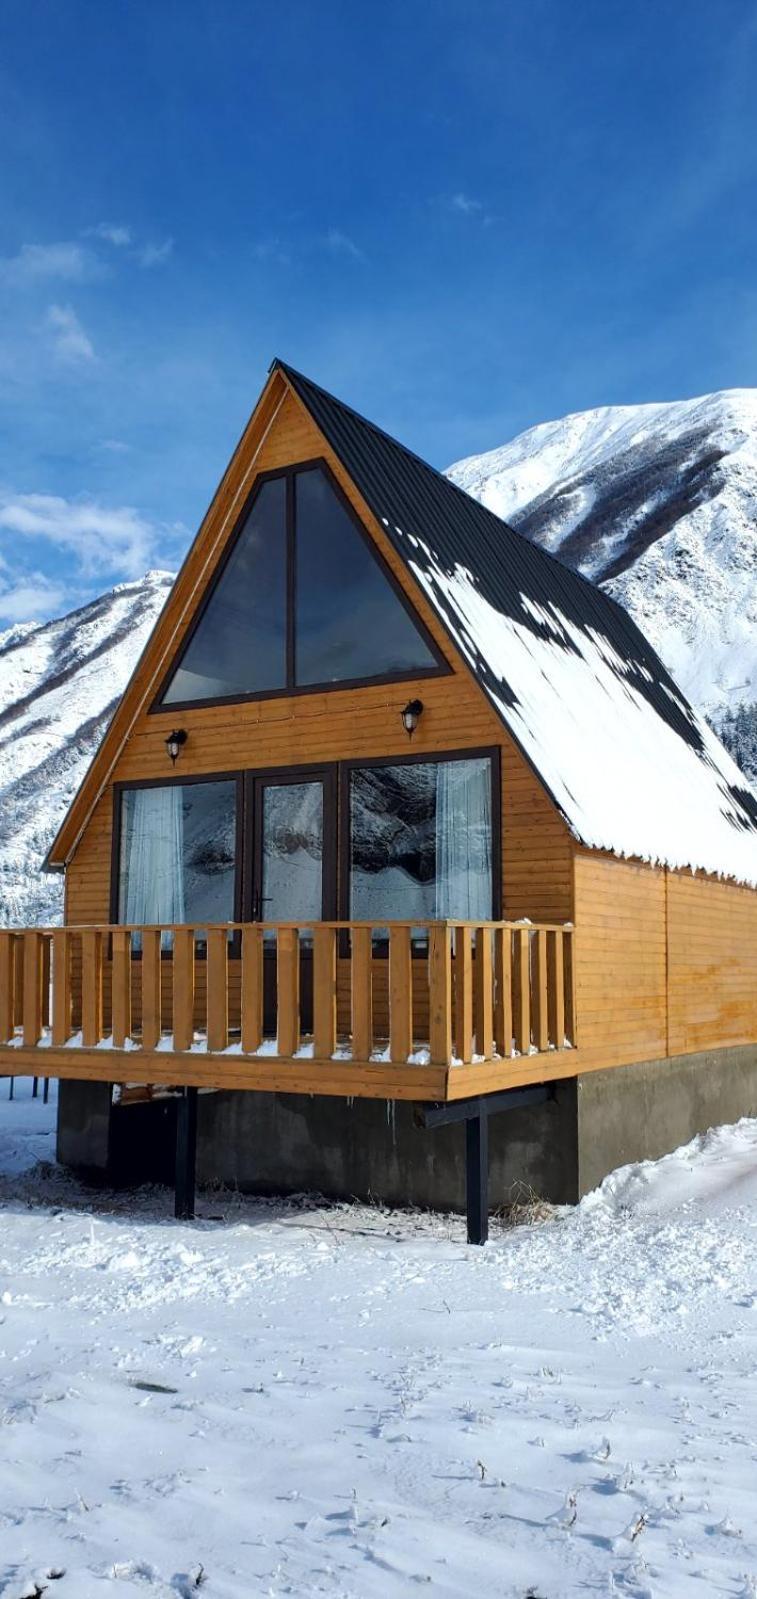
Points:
[[631, 766]]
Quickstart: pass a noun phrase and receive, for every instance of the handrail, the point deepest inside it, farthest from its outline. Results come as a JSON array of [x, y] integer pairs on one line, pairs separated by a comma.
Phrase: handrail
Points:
[[475, 992]]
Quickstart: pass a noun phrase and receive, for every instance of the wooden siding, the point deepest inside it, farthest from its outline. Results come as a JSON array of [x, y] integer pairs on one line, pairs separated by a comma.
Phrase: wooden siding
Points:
[[666, 962], [339, 725]]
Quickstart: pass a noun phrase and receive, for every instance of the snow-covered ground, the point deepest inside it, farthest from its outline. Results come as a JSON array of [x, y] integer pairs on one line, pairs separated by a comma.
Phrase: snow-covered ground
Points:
[[285, 1399]]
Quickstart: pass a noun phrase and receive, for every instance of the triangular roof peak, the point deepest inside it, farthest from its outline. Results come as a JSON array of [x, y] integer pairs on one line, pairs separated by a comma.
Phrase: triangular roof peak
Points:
[[631, 766]]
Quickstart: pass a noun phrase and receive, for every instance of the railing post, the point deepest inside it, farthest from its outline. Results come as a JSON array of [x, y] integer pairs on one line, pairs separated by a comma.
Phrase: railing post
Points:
[[7, 985], [151, 996], [522, 988], [440, 994], [32, 988], [503, 1008], [541, 1017], [252, 989], [121, 986], [361, 992], [324, 992], [62, 1022], [556, 988], [569, 954], [288, 990], [91, 987], [183, 987], [463, 996], [218, 988], [400, 994], [484, 994]]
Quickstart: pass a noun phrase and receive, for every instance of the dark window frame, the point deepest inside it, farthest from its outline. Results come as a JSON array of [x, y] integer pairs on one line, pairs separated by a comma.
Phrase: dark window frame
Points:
[[441, 669], [337, 840]]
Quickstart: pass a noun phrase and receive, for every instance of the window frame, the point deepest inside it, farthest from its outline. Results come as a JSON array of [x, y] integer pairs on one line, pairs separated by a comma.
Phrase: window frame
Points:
[[237, 778], [442, 667], [492, 753]]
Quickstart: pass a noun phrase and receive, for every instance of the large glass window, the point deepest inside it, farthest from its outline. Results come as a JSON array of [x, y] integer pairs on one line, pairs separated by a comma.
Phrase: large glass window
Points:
[[301, 601], [421, 841], [349, 622], [177, 859], [240, 643]]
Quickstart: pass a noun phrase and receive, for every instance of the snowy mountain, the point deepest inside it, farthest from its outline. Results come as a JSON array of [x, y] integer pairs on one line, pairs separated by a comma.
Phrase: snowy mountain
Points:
[[59, 684], [658, 504]]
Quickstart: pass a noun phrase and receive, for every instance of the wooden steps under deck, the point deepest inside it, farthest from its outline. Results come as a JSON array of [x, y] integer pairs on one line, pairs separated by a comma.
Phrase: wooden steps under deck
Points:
[[417, 1011]]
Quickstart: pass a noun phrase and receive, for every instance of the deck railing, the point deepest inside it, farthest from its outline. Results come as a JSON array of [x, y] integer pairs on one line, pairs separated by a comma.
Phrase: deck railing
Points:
[[436, 992]]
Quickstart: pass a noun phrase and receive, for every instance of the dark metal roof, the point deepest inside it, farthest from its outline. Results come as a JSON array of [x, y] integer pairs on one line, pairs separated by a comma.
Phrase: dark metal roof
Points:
[[412, 500]]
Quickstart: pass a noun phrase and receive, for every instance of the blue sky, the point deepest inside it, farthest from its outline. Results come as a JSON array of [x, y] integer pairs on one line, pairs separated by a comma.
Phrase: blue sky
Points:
[[462, 216]]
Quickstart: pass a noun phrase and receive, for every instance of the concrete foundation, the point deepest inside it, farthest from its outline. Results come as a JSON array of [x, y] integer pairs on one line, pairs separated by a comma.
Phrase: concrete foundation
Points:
[[369, 1149]]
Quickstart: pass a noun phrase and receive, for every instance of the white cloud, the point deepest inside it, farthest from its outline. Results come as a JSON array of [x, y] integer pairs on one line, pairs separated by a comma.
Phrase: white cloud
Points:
[[70, 341], [30, 598], [114, 446], [151, 255], [112, 232], [466, 205], [341, 244], [101, 538], [36, 263]]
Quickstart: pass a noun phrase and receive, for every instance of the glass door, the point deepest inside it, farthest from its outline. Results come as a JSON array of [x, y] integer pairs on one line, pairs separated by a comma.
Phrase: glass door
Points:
[[293, 866]]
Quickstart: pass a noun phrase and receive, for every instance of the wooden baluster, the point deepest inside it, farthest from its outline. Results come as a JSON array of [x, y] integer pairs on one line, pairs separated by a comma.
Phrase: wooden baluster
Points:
[[361, 990], [539, 984], [46, 960], [440, 995], [121, 986], [151, 981], [288, 990], [18, 986], [569, 961], [92, 987], [503, 1008], [218, 988], [324, 992], [32, 988], [484, 994], [522, 991], [7, 985], [61, 962], [400, 994], [183, 988], [463, 996], [556, 989], [252, 988]]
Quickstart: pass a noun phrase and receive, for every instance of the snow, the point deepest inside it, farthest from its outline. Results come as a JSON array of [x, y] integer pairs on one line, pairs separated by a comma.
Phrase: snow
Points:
[[668, 492], [624, 779], [303, 1399]]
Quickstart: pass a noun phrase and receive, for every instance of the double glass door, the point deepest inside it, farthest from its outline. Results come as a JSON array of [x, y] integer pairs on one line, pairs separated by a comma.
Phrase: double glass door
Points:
[[292, 865]]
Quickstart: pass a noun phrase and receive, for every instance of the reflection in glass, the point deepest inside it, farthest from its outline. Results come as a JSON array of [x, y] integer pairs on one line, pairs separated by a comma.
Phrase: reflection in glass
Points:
[[292, 877], [177, 858], [239, 644], [349, 622], [420, 841]]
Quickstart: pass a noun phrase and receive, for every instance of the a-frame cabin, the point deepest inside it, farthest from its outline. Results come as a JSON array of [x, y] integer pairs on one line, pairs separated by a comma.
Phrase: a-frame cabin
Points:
[[394, 808]]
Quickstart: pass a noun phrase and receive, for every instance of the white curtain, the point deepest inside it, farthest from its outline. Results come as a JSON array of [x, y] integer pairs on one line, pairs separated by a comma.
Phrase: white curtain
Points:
[[463, 840], [152, 856]]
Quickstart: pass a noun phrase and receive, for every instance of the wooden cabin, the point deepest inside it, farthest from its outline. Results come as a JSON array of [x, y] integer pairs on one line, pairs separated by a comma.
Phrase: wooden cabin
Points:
[[394, 809]]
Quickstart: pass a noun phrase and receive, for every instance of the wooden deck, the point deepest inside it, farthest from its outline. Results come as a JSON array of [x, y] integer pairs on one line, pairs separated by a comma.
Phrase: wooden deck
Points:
[[417, 1011]]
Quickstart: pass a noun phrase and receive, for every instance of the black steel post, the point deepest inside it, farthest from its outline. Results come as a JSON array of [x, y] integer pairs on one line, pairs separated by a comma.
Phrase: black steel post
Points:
[[477, 1177], [186, 1155]]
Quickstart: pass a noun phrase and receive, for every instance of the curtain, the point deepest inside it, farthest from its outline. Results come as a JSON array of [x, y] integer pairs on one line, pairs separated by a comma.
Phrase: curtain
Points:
[[463, 840], [152, 856]]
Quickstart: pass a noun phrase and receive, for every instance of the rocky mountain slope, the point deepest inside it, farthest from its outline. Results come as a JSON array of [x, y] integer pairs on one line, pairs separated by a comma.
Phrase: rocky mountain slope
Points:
[[59, 684], [658, 503]]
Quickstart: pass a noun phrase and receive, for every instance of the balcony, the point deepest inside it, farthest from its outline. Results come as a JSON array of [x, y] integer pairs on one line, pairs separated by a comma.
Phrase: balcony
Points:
[[409, 1010]]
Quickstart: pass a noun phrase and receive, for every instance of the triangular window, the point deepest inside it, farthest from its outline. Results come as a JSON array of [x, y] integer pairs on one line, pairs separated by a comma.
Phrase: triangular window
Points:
[[302, 601]]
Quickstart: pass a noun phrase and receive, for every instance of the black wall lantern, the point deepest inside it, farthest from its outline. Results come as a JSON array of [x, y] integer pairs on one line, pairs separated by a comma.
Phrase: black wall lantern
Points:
[[174, 743], [411, 716]]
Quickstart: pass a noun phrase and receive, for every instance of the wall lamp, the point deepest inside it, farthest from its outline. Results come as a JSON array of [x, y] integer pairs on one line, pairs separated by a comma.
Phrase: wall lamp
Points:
[[411, 716], [174, 742]]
